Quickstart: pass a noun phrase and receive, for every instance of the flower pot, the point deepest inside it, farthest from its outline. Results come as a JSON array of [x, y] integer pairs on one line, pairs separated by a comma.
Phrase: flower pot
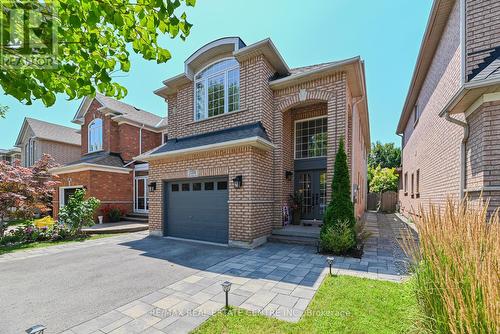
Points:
[[100, 219]]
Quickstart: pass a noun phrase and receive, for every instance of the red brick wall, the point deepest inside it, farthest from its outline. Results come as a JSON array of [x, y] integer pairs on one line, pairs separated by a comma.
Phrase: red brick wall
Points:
[[482, 30], [123, 138], [115, 189]]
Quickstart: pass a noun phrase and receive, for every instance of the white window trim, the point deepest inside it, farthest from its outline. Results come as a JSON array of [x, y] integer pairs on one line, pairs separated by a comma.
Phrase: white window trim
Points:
[[295, 136], [29, 154], [61, 194], [205, 83], [88, 135]]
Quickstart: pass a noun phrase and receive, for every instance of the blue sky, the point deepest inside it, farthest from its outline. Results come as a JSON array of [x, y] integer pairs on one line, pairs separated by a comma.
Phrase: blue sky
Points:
[[385, 33]]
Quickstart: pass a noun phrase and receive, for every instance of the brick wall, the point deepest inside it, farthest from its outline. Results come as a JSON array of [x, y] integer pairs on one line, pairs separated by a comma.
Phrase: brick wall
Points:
[[249, 206], [115, 189], [123, 138], [432, 146], [482, 30]]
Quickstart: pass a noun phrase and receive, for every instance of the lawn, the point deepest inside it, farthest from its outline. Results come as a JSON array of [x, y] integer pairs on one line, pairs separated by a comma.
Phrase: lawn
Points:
[[42, 244], [343, 304]]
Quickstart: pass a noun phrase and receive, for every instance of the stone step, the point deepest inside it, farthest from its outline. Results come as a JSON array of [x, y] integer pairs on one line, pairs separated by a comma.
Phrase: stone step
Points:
[[288, 239], [136, 218]]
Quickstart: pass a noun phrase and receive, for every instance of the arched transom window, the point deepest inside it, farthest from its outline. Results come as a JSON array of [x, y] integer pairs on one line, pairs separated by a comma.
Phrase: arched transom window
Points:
[[217, 89], [95, 135]]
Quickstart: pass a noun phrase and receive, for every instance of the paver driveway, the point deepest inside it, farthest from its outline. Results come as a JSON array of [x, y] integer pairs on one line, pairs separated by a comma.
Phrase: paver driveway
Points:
[[136, 284]]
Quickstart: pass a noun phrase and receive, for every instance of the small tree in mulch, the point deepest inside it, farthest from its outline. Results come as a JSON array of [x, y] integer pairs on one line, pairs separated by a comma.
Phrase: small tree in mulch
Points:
[[338, 234]]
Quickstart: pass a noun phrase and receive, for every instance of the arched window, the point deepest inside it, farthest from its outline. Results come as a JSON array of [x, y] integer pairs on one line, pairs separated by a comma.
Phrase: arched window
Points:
[[95, 135], [217, 89]]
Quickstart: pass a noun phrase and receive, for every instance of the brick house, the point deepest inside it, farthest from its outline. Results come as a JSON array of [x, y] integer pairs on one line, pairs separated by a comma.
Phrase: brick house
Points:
[[450, 123], [10, 155], [38, 137], [245, 132], [112, 133]]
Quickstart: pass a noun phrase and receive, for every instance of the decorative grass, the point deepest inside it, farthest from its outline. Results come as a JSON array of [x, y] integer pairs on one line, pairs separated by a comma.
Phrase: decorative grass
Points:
[[457, 276]]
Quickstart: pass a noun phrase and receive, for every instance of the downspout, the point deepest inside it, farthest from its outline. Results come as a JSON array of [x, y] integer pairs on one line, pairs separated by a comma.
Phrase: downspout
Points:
[[463, 149], [356, 101], [140, 139]]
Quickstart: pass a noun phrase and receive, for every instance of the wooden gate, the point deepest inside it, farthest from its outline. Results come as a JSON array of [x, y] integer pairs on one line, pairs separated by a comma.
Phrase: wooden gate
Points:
[[385, 202], [373, 201]]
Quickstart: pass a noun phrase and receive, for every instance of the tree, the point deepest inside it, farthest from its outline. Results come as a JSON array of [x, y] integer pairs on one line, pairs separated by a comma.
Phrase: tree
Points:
[[93, 42], [25, 191], [386, 155], [384, 179], [338, 233], [79, 212]]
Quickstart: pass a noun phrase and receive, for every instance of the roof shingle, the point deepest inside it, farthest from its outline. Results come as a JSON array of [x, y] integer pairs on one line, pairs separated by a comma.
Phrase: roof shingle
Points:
[[54, 132]]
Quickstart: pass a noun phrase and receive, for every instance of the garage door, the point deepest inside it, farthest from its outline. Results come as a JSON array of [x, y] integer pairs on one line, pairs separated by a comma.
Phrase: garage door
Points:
[[197, 209]]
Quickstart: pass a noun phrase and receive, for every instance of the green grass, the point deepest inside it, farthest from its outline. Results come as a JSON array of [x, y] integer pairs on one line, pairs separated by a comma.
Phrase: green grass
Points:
[[43, 244], [343, 304]]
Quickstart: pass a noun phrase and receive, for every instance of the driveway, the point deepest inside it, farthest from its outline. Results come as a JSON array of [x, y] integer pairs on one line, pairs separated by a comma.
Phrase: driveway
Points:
[[138, 284], [67, 286]]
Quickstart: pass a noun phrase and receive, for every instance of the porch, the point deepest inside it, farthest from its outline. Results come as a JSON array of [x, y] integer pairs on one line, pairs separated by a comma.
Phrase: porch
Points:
[[296, 234]]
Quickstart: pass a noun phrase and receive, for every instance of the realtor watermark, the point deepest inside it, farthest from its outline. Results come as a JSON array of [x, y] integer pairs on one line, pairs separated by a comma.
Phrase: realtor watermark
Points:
[[285, 312], [28, 34]]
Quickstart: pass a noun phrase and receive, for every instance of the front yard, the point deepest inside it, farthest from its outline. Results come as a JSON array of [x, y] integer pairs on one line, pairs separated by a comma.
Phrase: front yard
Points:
[[343, 304]]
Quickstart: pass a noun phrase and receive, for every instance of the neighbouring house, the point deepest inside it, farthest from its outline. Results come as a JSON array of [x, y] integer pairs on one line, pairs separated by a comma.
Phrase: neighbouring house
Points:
[[37, 138], [10, 155], [246, 132], [112, 134], [450, 123]]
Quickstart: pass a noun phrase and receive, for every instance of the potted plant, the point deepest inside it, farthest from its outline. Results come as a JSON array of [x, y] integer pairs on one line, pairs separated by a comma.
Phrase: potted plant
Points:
[[296, 201], [113, 213]]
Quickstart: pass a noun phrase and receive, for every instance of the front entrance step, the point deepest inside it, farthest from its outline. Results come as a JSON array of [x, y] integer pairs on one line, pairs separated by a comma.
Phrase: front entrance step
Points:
[[137, 217], [288, 239]]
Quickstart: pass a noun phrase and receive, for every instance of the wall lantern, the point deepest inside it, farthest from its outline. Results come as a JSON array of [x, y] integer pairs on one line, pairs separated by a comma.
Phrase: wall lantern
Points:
[[152, 186], [288, 175], [238, 181]]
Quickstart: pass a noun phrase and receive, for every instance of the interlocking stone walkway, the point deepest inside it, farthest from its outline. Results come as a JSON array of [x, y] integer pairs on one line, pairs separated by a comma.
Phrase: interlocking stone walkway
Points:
[[275, 280]]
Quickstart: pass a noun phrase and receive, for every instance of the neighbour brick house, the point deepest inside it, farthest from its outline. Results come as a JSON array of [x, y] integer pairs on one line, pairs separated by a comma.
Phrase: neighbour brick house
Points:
[[112, 133], [450, 124], [245, 133], [37, 138]]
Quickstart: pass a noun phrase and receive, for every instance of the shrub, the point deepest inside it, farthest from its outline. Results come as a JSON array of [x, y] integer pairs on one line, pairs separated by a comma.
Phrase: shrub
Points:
[[457, 268], [79, 212], [113, 213], [339, 238], [339, 214]]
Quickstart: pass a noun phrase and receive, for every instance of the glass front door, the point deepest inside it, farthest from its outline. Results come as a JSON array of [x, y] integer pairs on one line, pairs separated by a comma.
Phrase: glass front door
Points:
[[141, 200], [312, 186]]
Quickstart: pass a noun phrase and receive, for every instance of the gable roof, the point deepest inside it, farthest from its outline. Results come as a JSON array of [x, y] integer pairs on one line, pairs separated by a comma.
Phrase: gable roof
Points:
[[49, 131], [122, 112], [489, 68], [436, 24], [100, 158]]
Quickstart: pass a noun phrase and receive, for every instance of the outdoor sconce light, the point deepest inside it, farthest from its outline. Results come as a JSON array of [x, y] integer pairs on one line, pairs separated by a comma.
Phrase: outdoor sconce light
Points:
[[226, 286], [37, 329], [329, 260], [238, 181], [288, 175], [152, 186]]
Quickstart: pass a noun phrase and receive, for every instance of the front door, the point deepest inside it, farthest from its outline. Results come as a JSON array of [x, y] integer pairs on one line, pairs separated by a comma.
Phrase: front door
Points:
[[312, 185], [141, 199]]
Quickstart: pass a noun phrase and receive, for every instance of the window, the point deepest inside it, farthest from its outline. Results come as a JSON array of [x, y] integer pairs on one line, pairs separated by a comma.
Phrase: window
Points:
[[175, 187], [310, 138], [406, 184], [415, 115], [412, 185], [418, 183], [95, 135], [196, 186], [217, 89], [29, 152], [222, 185], [185, 186], [209, 186], [164, 138]]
